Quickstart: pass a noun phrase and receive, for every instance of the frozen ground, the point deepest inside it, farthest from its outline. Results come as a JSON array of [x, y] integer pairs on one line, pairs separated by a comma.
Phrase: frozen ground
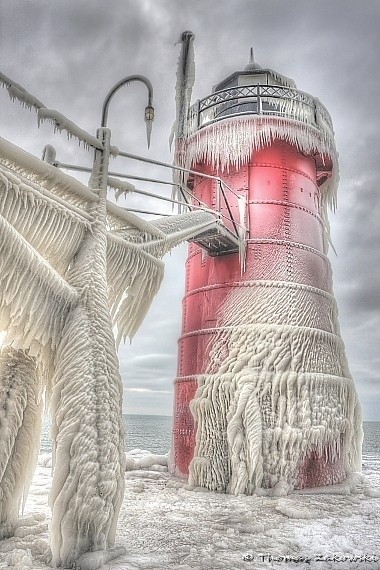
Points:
[[163, 525]]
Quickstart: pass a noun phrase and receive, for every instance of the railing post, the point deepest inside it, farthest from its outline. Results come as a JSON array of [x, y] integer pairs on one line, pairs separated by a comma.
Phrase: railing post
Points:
[[198, 113], [316, 121], [259, 109]]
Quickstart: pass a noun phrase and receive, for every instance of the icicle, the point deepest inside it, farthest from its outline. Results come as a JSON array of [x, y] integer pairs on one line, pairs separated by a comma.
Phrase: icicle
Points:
[[59, 121], [15, 91], [229, 143], [37, 215], [121, 186], [62, 123], [232, 140], [286, 81], [65, 323], [135, 271], [35, 298]]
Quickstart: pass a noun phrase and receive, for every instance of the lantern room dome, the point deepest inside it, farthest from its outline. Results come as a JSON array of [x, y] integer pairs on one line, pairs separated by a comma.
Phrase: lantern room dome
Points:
[[254, 74]]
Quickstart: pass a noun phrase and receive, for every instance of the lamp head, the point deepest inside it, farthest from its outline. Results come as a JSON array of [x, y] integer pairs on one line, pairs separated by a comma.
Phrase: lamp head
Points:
[[149, 116]]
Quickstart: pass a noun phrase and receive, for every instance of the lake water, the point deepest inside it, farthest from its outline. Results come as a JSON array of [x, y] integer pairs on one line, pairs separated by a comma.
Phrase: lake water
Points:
[[153, 433], [148, 432]]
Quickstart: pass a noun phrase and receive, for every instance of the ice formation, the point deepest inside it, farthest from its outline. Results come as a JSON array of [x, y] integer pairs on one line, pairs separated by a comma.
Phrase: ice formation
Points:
[[225, 527], [73, 266], [277, 391]]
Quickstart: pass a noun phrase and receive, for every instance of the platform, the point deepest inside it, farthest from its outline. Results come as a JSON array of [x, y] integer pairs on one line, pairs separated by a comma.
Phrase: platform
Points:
[[218, 240]]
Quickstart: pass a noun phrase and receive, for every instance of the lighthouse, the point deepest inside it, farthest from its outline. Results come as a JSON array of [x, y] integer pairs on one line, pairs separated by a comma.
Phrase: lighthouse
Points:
[[263, 397]]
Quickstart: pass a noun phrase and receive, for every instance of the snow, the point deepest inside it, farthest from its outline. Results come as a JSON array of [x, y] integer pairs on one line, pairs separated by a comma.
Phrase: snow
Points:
[[142, 459], [164, 524], [94, 560]]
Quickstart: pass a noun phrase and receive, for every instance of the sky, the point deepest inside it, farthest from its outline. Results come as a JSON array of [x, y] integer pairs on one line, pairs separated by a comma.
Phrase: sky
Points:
[[70, 53]]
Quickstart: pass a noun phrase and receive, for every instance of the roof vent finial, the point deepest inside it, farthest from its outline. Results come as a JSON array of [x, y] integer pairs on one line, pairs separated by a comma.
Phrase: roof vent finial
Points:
[[252, 65]]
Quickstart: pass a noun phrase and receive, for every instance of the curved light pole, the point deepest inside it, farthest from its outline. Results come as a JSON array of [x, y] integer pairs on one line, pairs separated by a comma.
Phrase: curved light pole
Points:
[[91, 368], [149, 110], [88, 276]]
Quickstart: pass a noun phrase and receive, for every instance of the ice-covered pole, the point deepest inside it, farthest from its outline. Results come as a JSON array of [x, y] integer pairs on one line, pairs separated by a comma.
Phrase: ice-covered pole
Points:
[[264, 397], [87, 431], [87, 426], [183, 92]]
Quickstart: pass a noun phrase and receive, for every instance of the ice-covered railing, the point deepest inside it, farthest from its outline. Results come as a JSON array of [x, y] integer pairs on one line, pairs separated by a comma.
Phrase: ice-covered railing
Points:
[[60, 122], [267, 100]]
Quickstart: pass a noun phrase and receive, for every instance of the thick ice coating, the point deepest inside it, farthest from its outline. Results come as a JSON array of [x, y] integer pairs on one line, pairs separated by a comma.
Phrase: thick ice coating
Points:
[[73, 266]]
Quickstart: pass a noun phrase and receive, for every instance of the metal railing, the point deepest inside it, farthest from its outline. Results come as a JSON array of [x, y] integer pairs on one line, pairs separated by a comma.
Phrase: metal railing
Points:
[[267, 100]]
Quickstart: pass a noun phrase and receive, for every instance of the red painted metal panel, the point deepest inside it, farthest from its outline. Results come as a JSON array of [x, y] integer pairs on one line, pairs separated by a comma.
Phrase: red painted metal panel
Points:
[[285, 244], [184, 428]]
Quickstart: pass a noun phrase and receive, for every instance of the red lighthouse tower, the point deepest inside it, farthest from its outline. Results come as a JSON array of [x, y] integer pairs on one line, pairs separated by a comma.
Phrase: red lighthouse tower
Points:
[[263, 396]]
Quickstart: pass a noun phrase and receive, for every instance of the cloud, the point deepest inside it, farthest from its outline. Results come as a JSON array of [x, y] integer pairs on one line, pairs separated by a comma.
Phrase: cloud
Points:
[[70, 53]]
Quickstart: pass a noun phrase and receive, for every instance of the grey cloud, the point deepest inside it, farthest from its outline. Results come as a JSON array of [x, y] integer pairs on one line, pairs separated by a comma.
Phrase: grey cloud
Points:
[[70, 53]]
